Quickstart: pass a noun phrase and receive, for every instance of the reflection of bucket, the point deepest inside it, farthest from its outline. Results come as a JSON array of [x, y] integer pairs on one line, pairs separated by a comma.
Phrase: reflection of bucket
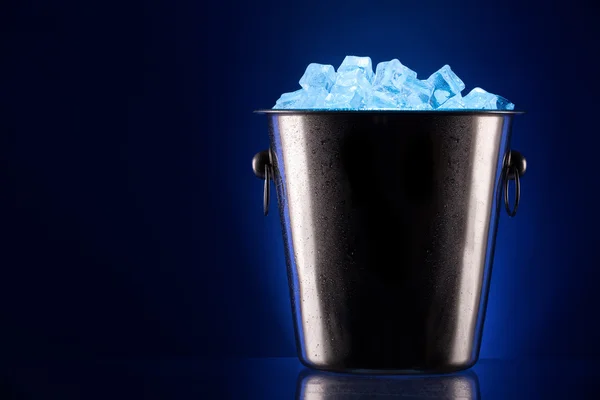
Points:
[[326, 386], [389, 220]]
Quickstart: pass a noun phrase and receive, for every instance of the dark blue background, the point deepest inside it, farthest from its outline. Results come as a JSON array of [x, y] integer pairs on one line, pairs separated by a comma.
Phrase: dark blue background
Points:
[[131, 221]]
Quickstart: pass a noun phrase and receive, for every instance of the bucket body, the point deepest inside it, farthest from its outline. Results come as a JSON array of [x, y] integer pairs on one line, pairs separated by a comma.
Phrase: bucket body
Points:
[[389, 222]]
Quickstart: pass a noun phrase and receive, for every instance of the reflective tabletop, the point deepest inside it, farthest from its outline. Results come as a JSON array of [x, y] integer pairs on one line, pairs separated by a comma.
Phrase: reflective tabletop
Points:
[[287, 378]]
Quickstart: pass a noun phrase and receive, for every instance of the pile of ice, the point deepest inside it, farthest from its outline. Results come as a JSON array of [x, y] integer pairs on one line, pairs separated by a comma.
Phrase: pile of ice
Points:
[[393, 86]]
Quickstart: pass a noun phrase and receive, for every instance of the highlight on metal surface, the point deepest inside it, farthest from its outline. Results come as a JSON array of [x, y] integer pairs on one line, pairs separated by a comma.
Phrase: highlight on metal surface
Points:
[[267, 190]]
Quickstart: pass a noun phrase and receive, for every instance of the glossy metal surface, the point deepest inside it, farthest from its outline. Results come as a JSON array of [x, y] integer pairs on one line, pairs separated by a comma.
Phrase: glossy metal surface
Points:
[[389, 221], [322, 386]]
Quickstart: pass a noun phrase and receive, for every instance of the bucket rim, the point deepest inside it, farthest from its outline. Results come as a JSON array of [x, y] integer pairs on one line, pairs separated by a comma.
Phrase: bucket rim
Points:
[[396, 112]]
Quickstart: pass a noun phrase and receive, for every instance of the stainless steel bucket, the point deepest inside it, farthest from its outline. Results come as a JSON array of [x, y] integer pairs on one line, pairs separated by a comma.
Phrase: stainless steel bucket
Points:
[[389, 220]]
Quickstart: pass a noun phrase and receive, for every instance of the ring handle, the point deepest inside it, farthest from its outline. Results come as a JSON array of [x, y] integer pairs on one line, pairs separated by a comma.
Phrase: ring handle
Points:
[[514, 168], [261, 165]]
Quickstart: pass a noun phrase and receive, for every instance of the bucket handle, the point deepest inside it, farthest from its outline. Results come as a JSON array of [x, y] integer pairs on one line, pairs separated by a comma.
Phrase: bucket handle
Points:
[[263, 169], [515, 166]]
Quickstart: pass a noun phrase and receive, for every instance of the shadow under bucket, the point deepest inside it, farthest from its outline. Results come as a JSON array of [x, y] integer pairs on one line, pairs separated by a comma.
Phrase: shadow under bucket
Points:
[[389, 220]]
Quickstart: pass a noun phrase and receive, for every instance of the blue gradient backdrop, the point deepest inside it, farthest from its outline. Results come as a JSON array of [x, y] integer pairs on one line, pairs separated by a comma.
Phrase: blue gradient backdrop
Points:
[[130, 219]]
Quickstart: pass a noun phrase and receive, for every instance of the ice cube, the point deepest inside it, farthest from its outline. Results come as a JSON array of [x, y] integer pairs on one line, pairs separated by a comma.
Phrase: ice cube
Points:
[[479, 99], [390, 88], [318, 76], [382, 99], [419, 106], [415, 94], [352, 63], [290, 100], [316, 98], [352, 84], [390, 75], [355, 78], [344, 97], [446, 84], [303, 98], [454, 103]]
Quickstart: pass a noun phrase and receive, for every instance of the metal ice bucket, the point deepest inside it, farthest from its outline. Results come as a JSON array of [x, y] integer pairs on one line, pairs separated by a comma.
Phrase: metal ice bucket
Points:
[[389, 221]]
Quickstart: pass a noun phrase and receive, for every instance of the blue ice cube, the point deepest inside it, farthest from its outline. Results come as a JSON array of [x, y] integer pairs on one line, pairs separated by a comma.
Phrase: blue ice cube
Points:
[[352, 84], [318, 76], [391, 75], [290, 100], [454, 103], [344, 97], [303, 98], [446, 84], [352, 63], [479, 99], [382, 99], [406, 92], [415, 94], [419, 106], [389, 85], [354, 78], [315, 98]]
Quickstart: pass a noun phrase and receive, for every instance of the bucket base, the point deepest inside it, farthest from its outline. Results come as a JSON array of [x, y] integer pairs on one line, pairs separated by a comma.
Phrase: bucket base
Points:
[[317, 385], [437, 370]]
